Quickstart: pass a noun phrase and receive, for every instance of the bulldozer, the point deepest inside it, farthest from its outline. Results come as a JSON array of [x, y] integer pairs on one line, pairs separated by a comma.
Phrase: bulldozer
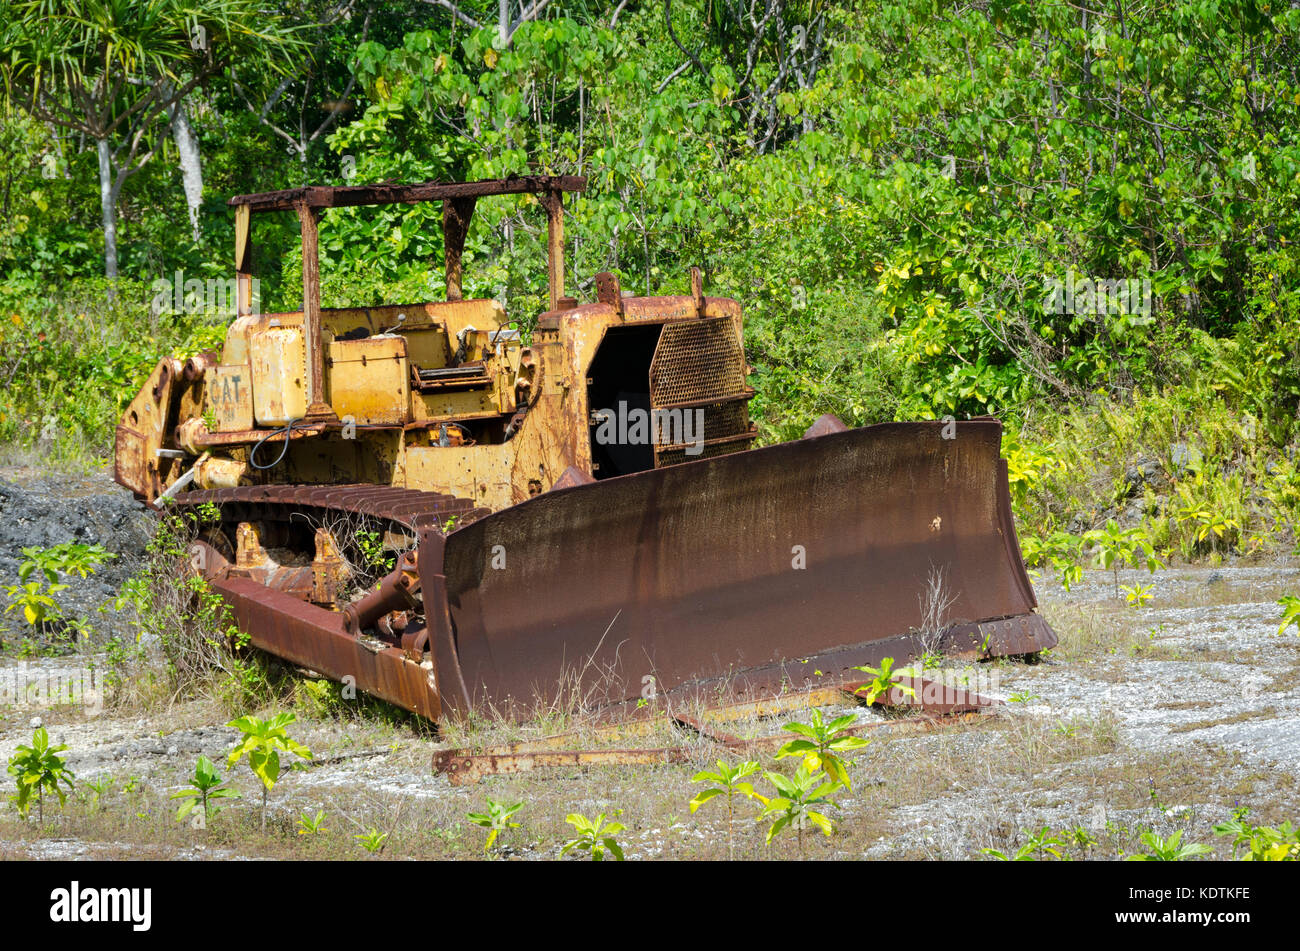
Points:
[[579, 511]]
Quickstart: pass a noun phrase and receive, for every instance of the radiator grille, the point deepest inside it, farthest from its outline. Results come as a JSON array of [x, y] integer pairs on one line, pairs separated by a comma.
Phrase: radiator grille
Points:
[[671, 457], [700, 365], [697, 361]]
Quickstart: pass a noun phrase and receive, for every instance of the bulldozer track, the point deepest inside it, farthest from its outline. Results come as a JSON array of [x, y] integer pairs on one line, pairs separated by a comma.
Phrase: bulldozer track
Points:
[[410, 509], [289, 625]]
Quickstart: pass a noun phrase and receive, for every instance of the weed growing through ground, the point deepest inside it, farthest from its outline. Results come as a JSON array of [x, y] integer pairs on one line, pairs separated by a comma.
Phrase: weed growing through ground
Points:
[[1116, 548], [883, 679], [1137, 594], [1290, 613], [35, 598], [728, 781], [1254, 843], [262, 742], [800, 802], [311, 825], [822, 743], [372, 840], [95, 790], [1040, 844], [205, 787], [496, 820], [38, 769], [596, 837], [1169, 849], [1060, 551]]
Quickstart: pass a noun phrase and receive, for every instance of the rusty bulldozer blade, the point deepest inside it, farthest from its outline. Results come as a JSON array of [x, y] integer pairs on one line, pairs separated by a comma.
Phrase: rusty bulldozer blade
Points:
[[744, 573]]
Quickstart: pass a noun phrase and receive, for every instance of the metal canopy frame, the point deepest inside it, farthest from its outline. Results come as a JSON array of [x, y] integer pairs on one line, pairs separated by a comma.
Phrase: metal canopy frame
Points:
[[458, 202]]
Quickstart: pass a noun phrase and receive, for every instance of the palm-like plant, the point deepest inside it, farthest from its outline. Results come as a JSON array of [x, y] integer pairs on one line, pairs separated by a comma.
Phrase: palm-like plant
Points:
[[115, 71]]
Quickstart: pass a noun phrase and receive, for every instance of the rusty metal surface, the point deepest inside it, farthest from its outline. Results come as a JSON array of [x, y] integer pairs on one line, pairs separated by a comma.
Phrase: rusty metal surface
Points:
[[143, 430], [314, 638], [326, 196], [691, 578], [409, 508], [698, 361], [271, 605], [932, 697], [685, 576], [699, 366], [934, 704]]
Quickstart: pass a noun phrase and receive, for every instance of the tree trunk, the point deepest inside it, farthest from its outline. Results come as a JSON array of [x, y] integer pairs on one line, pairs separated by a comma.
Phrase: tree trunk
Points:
[[107, 208], [189, 159]]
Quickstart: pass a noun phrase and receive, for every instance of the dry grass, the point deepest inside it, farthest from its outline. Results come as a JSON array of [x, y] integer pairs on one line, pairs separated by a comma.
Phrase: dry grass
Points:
[[942, 794], [1268, 713], [989, 779]]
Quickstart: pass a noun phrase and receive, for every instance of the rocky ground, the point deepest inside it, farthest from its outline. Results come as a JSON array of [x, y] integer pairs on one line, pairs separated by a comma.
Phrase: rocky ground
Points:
[[1157, 718], [40, 510]]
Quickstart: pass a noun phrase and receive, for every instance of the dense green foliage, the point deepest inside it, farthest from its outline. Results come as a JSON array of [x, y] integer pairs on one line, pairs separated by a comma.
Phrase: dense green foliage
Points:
[[889, 187]]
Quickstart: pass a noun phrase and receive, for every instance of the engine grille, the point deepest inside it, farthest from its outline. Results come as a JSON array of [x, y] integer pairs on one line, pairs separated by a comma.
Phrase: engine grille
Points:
[[697, 361], [700, 365]]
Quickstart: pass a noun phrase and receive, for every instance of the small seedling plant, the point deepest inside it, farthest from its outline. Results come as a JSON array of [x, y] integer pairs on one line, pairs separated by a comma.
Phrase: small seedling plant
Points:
[[1137, 594], [262, 743], [728, 781], [1290, 606], [34, 596], [883, 679], [372, 840], [496, 820], [38, 769], [800, 802], [1040, 844], [205, 787], [822, 743], [1116, 547], [1061, 551], [69, 558], [594, 836], [311, 825], [95, 790], [35, 601], [1171, 849], [1252, 843]]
